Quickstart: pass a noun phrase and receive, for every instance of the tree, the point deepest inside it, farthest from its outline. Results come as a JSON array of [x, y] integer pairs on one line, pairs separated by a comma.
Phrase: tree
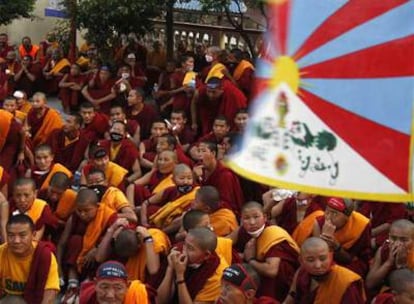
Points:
[[237, 20], [14, 9], [106, 20]]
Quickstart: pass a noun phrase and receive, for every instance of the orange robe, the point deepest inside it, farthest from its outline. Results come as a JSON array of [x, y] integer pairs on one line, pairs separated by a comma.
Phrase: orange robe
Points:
[[223, 221], [305, 227], [56, 168], [115, 199], [50, 122]]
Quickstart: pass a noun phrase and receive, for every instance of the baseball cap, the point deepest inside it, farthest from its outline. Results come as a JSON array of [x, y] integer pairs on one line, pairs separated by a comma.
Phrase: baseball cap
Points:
[[111, 270], [237, 275]]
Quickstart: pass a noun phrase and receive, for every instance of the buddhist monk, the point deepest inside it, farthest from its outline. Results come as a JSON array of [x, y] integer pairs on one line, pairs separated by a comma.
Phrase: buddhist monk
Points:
[[82, 233], [122, 151], [24, 201], [70, 88], [143, 251], [4, 216], [348, 233], [11, 140], [27, 269], [217, 97], [69, 143], [4, 181], [181, 129], [42, 120], [193, 275], [99, 159], [98, 91], [26, 75], [45, 167], [117, 113], [242, 70], [240, 120], [170, 203], [297, 215], [113, 285], [269, 249], [23, 104], [239, 284], [397, 252], [54, 70], [319, 280], [215, 56], [110, 196], [168, 142], [381, 215], [10, 105], [212, 172], [94, 123], [402, 286], [158, 179], [222, 220], [148, 147], [143, 113]]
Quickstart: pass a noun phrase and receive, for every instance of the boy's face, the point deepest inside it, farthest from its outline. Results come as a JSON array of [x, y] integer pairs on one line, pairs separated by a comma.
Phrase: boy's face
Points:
[[252, 219], [178, 120], [220, 128], [184, 178], [86, 212], [241, 120], [43, 159], [10, 105], [158, 129], [162, 144]]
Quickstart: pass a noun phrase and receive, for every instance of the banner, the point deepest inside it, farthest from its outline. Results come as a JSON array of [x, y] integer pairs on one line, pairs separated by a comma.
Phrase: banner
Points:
[[333, 106], [56, 9]]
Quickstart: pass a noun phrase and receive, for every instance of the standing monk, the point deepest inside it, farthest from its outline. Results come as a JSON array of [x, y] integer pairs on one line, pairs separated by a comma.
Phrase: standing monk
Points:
[[42, 120]]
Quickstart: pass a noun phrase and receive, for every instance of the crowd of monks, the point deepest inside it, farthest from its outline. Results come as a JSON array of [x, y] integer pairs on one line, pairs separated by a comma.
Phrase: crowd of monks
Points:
[[125, 197]]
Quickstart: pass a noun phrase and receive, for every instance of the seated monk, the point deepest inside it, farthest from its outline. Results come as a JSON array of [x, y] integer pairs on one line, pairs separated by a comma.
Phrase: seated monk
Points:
[[320, 280], [159, 179], [94, 123], [297, 215], [82, 233], [348, 233], [212, 172], [397, 252], [27, 268], [110, 196], [113, 285], [143, 252], [165, 208], [54, 70], [70, 86], [181, 129], [148, 147], [381, 215], [117, 113], [23, 104], [193, 275], [68, 143], [42, 120], [99, 159], [11, 140], [44, 167], [269, 249], [10, 105], [24, 201], [196, 219], [122, 151], [168, 142], [59, 196], [402, 286], [239, 284], [223, 221]]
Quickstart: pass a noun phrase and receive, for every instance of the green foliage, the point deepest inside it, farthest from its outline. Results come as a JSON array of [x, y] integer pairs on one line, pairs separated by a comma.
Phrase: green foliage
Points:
[[13, 9], [106, 20]]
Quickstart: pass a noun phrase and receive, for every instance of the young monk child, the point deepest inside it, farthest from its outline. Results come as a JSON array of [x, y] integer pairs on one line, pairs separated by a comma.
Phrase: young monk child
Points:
[[44, 167], [269, 249], [82, 234], [402, 286], [164, 207], [154, 181], [223, 221]]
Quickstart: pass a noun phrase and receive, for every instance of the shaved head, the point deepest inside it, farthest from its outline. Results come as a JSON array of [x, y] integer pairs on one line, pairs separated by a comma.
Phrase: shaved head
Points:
[[126, 243], [403, 224], [401, 280], [313, 242], [205, 238], [86, 196], [252, 205], [60, 180], [181, 168], [170, 154]]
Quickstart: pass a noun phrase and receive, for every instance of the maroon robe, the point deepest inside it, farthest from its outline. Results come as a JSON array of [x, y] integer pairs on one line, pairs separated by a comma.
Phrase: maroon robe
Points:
[[277, 287], [150, 148], [24, 83], [227, 105], [127, 153], [101, 90], [381, 213], [71, 98], [97, 128], [170, 194], [145, 118], [34, 122], [187, 136], [142, 193], [70, 155], [227, 185], [245, 82], [306, 296], [361, 251], [384, 298], [10, 150]]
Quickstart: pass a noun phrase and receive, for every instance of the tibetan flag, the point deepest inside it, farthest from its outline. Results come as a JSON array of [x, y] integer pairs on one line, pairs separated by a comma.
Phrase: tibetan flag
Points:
[[333, 106]]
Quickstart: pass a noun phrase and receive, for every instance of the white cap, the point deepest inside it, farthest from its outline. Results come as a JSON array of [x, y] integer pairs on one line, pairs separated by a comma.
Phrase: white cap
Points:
[[18, 94], [131, 56]]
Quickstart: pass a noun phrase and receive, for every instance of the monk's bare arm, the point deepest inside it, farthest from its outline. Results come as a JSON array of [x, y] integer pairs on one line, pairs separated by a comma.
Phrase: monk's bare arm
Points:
[[39, 233], [104, 248], [137, 173], [268, 268], [378, 271], [106, 98], [62, 245], [173, 227], [316, 231], [166, 288], [292, 291], [49, 296], [63, 83], [276, 210], [128, 213], [153, 258], [194, 102], [144, 180], [143, 161], [4, 215], [233, 235]]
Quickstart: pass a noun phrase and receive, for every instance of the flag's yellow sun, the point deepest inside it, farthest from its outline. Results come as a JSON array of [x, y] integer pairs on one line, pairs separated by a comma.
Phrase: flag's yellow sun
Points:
[[286, 70]]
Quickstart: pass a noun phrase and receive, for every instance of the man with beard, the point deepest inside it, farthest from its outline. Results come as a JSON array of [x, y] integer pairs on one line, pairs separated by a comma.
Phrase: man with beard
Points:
[[319, 280]]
